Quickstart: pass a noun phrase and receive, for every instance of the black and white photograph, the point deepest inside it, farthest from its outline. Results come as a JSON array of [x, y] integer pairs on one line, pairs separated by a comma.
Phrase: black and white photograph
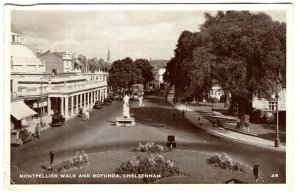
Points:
[[147, 94]]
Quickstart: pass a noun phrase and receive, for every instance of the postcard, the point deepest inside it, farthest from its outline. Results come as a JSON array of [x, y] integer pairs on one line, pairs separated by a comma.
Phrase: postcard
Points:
[[147, 94]]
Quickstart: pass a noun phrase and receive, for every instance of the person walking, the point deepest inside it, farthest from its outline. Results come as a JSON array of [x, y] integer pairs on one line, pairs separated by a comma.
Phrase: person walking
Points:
[[87, 115], [174, 114], [38, 130], [183, 114]]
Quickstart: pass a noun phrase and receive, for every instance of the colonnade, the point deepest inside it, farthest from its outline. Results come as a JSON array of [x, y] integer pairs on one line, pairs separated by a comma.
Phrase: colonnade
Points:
[[71, 103]]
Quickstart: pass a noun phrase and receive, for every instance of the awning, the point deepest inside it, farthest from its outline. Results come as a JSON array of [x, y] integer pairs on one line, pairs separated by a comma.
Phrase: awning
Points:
[[20, 110]]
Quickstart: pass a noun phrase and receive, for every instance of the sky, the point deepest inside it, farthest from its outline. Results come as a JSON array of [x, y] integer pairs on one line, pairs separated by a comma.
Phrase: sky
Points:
[[135, 34]]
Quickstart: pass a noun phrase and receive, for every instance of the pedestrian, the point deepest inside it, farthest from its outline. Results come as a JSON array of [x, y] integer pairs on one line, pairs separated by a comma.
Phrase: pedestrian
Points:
[[247, 123], [80, 111], [199, 120], [51, 159], [174, 114], [183, 114], [87, 115], [38, 130], [238, 124]]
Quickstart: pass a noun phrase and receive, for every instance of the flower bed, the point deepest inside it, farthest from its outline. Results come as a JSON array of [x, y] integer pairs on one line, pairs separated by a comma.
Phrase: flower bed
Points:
[[225, 162], [151, 148], [79, 161], [150, 164]]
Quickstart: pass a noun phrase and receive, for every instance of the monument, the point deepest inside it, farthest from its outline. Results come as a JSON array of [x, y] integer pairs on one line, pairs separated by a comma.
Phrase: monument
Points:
[[125, 120]]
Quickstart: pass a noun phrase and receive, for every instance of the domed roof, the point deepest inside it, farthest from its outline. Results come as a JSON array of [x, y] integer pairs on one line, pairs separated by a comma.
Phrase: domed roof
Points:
[[20, 51]]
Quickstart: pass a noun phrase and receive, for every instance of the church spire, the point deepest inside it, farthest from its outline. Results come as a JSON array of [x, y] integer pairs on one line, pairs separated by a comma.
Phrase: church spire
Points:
[[108, 56]]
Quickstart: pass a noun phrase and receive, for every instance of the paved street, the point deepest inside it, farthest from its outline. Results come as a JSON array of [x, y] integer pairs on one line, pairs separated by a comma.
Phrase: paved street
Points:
[[154, 123]]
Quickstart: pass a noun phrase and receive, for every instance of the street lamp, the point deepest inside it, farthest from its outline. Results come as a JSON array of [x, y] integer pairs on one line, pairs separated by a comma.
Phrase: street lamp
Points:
[[277, 140], [41, 102]]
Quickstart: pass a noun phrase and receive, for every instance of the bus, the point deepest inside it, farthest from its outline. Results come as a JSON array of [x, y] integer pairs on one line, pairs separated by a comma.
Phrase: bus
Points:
[[137, 90]]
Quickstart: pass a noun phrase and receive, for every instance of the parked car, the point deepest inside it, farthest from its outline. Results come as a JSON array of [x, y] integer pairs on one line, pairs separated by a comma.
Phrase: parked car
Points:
[[107, 101], [116, 97], [57, 119], [98, 105], [21, 136]]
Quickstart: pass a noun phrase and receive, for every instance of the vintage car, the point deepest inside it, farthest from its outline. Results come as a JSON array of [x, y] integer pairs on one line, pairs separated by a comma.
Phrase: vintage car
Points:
[[98, 105], [21, 136], [107, 101], [115, 97], [57, 119]]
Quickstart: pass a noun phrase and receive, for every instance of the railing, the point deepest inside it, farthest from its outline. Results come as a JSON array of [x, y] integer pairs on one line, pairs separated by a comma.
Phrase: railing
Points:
[[60, 89]]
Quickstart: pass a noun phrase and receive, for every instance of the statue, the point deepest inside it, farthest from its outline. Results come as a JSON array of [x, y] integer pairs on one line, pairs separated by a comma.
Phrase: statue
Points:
[[125, 120], [126, 107]]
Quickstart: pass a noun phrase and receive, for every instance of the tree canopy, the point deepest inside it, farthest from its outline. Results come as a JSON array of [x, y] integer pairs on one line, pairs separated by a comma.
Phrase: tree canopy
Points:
[[126, 72], [146, 68], [243, 52]]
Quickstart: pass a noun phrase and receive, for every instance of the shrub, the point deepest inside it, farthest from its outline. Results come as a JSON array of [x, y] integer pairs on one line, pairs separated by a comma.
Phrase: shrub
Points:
[[150, 164], [225, 162], [151, 148], [269, 118]]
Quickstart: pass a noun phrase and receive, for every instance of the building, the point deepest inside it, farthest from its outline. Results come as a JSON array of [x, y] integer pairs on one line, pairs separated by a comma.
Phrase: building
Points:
[[159, 69], [23, 60], [58, 62], [72, 86], [216, 92]]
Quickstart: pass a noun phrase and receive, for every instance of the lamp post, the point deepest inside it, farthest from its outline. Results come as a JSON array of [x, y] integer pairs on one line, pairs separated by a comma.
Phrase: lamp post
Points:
[[277, 140], [41, 117]]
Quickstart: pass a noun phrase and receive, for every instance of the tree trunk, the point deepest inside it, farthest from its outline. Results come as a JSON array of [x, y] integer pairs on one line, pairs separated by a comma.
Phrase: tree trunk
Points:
[[227, 100]]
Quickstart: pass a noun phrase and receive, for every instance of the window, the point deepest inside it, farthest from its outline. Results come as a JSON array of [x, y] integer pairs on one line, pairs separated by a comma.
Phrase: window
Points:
[[272, 105]]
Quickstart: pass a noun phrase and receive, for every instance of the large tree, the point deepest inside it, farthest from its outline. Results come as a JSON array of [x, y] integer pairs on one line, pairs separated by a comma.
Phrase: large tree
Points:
[[146, 69], [123, 73], [243, 52], [249, 54]]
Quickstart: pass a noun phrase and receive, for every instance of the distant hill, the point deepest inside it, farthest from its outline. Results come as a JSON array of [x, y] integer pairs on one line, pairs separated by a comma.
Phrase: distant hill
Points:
[[159, 63]]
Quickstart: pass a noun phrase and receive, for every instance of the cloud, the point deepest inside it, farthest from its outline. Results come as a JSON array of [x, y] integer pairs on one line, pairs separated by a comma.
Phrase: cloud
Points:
[[136, 34]]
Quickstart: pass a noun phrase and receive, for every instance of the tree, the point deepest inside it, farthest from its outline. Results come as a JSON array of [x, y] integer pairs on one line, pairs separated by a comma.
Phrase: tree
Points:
[[249, 51], [146, 69], [243, 52], [124, 73]]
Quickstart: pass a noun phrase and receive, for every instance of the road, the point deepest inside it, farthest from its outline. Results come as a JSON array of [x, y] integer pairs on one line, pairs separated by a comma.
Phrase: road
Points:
[[154, 123]]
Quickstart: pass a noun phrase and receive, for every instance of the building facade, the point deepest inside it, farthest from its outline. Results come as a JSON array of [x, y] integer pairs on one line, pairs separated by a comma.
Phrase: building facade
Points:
[[58, 62], [65, 90]]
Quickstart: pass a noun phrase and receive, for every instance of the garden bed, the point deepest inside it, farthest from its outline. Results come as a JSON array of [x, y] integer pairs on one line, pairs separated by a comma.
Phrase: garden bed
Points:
[[150, 164]]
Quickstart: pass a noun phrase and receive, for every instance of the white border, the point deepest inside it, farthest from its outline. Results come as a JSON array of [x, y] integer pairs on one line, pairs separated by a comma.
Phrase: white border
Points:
[[291, 99]]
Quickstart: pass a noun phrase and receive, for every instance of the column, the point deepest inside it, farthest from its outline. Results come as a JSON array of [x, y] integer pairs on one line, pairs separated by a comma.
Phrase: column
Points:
[[66, 107], [105, 92], [95, 95], [61, 109], [76, 109], [49, 106], [88, 99], [101, 99], [72, 105], [84, 100], [80, 101]]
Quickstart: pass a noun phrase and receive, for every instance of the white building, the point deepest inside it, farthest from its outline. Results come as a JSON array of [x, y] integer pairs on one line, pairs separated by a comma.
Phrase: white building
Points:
[[216, 92], [23, 60], [64, 93]]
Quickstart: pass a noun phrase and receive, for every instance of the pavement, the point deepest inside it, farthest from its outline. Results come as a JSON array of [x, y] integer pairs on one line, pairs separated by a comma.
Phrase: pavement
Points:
[[193, 116]]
